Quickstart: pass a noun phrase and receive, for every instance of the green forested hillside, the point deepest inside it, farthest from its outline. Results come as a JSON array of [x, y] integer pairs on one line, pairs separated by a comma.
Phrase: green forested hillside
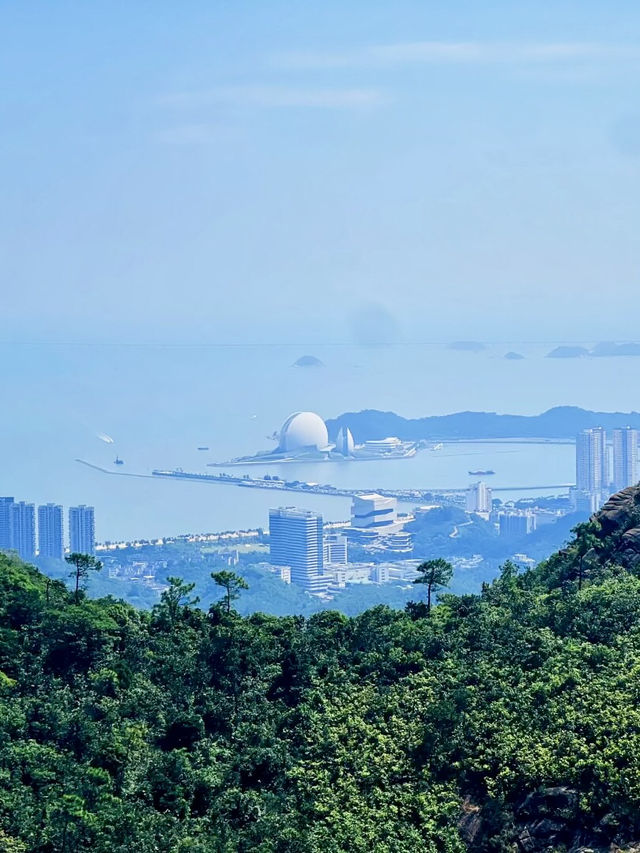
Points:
[[504, 721]]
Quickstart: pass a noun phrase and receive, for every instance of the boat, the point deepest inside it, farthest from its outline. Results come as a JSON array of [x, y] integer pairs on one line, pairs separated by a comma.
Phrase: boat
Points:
[[481, 473], [203, 448], [118, 461]]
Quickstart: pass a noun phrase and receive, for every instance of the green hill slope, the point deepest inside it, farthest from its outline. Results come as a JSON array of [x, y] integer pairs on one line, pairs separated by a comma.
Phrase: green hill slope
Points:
[[504, 721]]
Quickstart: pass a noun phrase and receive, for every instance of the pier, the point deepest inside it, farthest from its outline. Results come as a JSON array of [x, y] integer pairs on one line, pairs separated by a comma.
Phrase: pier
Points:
[[247, 482], [407, 495]]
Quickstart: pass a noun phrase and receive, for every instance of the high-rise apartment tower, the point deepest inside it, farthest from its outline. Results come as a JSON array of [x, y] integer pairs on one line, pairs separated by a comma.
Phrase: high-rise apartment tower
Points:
[[23, 524], [625, 458], [82, 530], [592, 461], [479, 498], [50, 531], [6, 524]]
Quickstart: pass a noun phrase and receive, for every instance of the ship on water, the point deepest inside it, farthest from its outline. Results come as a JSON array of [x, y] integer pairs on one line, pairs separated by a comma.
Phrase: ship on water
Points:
[[487, 473]]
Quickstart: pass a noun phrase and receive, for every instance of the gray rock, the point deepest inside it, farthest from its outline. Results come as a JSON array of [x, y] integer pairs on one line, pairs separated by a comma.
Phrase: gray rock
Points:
[[470, 822], [561, 800]]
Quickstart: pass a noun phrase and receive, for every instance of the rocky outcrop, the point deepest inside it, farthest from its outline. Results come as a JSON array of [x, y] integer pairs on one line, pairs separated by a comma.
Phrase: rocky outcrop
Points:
[[619, 521], [620, 512], [546, 821], [470, 822]]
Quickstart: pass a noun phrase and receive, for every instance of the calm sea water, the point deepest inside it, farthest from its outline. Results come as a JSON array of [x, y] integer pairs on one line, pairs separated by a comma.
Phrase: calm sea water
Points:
[[161, 403]]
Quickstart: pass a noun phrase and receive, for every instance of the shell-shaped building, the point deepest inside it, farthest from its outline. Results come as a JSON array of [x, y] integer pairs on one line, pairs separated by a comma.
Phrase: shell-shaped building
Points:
[[344, 442]]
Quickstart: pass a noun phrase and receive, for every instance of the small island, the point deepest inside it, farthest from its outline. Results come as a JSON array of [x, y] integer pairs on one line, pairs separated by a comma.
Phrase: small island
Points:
[[608, 348], [513, 356], [308, 361], [568, 352]]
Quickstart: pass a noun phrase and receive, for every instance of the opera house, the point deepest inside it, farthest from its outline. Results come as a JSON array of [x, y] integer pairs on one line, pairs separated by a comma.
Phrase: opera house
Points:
[[304, 437]]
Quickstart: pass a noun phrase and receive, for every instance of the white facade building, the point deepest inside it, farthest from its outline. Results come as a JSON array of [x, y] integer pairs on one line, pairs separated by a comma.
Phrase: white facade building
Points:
[[335, 549], [373, 512], [6, 523], [82, 529], [592, 461], [23, 529], [380, 573], [479, 498], [50, 531], [345, 444], [625, 458], [296, 540], [517, 523]]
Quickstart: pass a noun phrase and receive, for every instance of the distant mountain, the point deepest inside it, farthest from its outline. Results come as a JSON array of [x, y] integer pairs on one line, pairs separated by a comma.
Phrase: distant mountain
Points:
[[561, 422], [568, 352], [611, 349], [601, 350], [308, 361]]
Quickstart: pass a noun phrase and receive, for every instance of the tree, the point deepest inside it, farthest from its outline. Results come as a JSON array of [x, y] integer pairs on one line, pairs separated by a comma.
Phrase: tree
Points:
[[435, 574], [232, 584], [177, 596], [586, 541], [82, 565]]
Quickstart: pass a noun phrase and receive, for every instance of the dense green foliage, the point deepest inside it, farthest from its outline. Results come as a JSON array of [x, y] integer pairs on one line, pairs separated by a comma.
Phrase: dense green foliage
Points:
[[449, 531], [178, 729]]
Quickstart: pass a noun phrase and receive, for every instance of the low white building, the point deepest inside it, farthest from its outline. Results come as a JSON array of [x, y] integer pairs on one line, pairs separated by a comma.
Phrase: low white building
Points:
[[335, 549], [380, 573], [373, 512]]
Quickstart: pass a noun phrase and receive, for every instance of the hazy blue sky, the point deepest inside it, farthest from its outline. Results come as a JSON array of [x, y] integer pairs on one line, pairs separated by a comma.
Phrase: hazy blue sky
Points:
[[232, 170]]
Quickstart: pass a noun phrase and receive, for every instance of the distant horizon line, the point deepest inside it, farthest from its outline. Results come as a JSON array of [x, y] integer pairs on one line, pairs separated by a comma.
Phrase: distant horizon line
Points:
[[307, 344]]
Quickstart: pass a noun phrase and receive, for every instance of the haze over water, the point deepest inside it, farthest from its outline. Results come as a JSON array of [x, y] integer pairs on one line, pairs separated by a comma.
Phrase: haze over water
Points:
[[215, 173], [161, 403]]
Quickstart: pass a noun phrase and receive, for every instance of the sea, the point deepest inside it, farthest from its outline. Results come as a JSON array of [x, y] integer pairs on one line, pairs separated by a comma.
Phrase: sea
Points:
[[159, 403]]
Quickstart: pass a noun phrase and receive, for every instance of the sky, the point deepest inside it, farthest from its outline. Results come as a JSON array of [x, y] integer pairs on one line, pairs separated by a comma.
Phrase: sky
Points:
[[320, 171]]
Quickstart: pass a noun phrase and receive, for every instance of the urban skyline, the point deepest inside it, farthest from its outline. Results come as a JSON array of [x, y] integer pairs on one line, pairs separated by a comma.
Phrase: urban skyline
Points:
[[604, 466], [601, 458], [41, 533]]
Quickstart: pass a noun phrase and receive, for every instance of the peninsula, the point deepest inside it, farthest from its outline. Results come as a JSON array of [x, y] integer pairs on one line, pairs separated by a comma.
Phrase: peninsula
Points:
[[557, 424]]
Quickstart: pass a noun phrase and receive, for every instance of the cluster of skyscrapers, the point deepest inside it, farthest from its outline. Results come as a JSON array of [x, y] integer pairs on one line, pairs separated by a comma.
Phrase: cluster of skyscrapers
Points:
[[604, 466], [19, 532], [314, 559]]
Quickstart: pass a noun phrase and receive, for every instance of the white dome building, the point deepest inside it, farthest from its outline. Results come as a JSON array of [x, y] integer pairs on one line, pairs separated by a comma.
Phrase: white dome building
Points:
[[303, 431]]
